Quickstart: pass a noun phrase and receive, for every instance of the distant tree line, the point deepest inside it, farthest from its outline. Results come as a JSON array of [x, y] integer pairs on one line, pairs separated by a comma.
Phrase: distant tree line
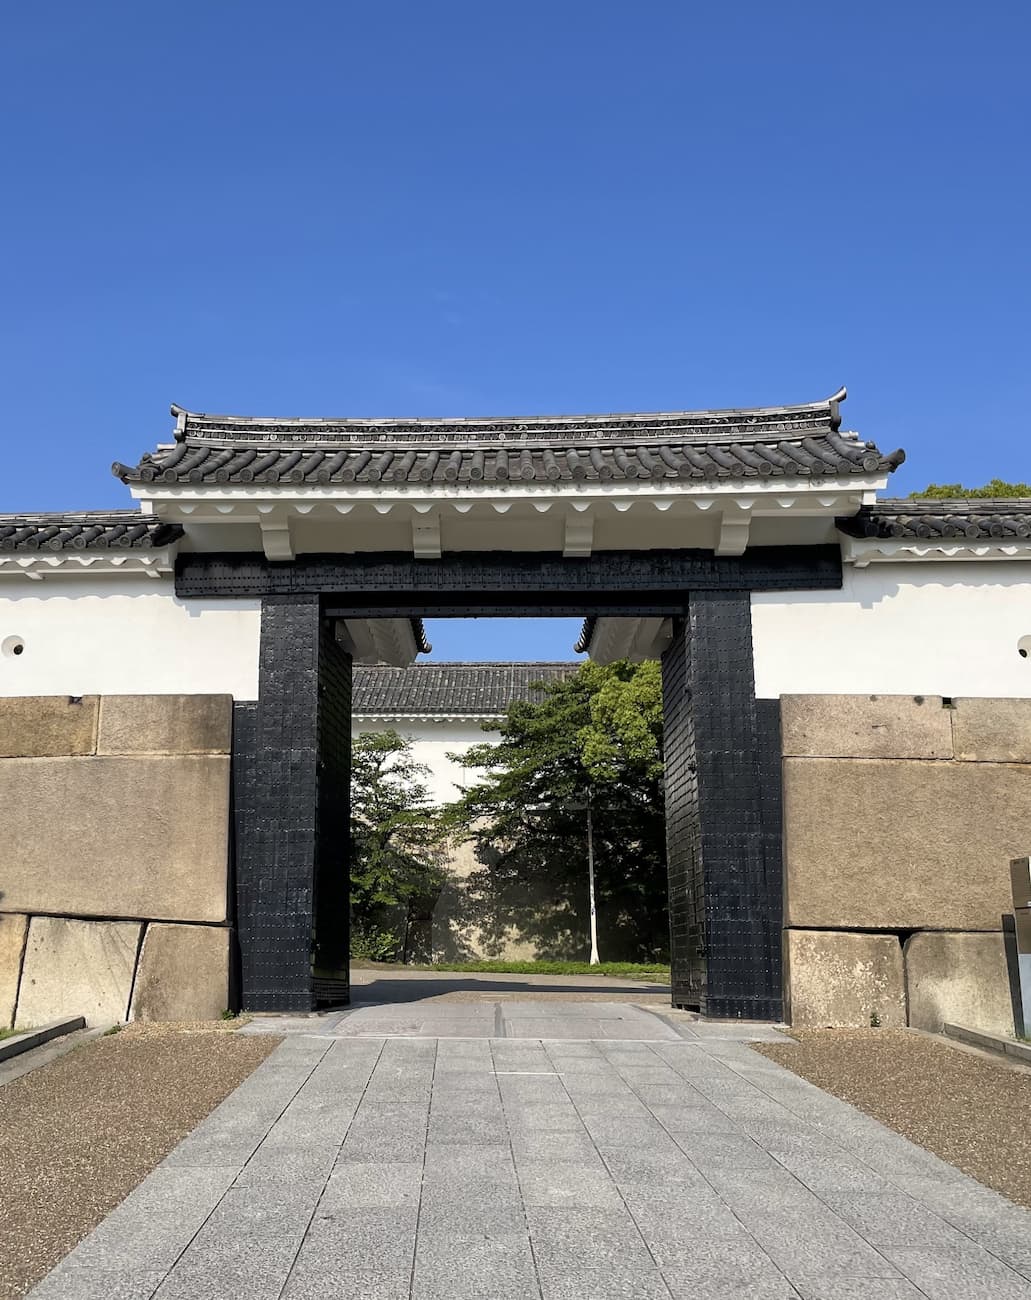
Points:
[[996, 488]]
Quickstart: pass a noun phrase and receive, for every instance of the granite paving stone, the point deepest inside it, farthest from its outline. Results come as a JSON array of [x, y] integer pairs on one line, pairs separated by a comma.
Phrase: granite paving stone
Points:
[[410, 1165], [568, 1184], [457, 1132], [473, 1218], [889, 1218], [653, 1169], [70, 1283], [545, 1117], [596, 1284], [735, 1261], [247, 1247], [334, 1277], [453, 1266], [560, 1146], [587, 1237], [959, 1271], [859, 1288], [366, 1238], [691, 1285], [803, 1259], [377, 1186]]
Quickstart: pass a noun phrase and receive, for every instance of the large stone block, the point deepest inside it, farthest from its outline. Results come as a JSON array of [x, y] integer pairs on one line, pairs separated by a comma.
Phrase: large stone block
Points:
[[962, 978], [77, 968], [165, 724], [133, 837], [992, 731], [902, 845], [39, 726], [836, 978], [12, 945], [183, 973], [865, 726]]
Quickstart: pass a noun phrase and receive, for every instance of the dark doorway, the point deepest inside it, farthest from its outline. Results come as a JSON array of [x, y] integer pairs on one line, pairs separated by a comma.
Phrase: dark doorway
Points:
[[722, 785]]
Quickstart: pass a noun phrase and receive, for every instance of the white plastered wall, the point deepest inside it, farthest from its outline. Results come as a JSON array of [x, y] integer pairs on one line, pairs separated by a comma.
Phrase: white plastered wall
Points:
[[932, 628], [433, 740], [122, 635]]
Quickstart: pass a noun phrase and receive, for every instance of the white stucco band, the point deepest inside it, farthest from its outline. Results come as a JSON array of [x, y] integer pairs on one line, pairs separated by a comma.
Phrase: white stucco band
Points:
[[942, 628], [433, 741], [124, 635]]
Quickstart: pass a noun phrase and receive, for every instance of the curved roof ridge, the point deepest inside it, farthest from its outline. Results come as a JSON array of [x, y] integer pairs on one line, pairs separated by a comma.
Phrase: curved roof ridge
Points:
[[479, 663], [777, 442], [186, 418], [951, 505]]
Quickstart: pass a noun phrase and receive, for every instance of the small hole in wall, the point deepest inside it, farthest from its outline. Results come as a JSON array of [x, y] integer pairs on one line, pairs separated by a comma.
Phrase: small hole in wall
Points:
[[12, 646], [1024, 647]]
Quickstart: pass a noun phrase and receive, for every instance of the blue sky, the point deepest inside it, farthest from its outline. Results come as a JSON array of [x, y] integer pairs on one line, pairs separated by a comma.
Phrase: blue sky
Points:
[[406, 208]]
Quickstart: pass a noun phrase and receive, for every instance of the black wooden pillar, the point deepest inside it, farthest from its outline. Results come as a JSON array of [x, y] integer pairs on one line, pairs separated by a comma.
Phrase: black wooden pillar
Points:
[[722, 752], [291, 768]]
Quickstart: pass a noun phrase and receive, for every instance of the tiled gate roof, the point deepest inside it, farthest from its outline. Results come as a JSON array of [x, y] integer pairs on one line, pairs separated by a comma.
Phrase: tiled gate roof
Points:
[[482, 690], [973, 517], [85, 530], [761, 442]]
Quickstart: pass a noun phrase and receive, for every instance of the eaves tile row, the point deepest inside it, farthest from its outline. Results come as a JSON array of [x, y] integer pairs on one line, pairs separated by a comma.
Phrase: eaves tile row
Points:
[[450, 689], [974, 518], [85, 531]]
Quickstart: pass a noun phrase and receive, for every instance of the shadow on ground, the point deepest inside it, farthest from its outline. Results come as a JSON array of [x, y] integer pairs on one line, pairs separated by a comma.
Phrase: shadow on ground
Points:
[[375, 989]]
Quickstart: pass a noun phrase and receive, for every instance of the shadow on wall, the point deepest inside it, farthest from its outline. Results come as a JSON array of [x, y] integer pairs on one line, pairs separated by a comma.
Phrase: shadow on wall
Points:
[[486, 912]]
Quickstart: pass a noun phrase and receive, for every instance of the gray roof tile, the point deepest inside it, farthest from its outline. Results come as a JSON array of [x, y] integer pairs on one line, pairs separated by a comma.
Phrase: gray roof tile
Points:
[[89, 530], [475, 690], [971, 517], [763, 442]]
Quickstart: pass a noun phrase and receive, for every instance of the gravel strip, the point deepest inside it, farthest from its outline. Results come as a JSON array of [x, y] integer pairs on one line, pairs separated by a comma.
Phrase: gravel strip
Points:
[[77, 1135], [967, 1109]]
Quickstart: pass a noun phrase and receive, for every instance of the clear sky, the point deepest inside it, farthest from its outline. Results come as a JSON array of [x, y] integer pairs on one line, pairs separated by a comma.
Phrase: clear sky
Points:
[[412, 208]]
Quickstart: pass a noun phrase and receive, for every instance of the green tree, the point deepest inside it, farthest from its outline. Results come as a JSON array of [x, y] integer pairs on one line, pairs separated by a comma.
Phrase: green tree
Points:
[[996, 488], [597, 735], [396, 838]]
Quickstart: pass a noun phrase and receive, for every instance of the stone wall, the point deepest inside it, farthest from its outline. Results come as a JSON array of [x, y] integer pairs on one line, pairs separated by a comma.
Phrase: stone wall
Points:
[[901, 815], [114, 849]]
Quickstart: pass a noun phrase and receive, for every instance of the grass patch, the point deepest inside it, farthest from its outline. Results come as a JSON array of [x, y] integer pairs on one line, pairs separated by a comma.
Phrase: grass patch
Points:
[[620, 969], [10, 1033]]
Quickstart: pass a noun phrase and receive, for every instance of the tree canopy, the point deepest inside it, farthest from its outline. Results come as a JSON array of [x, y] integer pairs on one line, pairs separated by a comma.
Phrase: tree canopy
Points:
[[595, 736], [396, 837], [996, 488]]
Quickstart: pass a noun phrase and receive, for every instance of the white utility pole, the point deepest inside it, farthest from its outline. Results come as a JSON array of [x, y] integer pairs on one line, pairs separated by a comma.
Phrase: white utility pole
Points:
[[595, 959]]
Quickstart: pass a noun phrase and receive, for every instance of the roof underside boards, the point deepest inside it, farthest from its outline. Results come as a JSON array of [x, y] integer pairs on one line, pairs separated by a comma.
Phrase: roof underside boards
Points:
[[86, 530], [764, 442], [973, 517], [475, 690]]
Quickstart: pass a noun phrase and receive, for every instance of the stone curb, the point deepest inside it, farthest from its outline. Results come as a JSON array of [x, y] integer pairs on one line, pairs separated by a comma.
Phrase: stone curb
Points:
[[990, 1042], [37, 1037]]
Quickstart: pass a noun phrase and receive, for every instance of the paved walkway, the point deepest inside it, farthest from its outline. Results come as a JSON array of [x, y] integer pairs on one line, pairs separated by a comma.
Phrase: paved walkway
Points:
[[487, 1017], [598, 1152]]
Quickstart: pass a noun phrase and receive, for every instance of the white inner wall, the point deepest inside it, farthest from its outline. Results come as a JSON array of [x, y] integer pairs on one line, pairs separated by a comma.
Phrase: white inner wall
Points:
[[942, 628], [433, 741], [99, 635]]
